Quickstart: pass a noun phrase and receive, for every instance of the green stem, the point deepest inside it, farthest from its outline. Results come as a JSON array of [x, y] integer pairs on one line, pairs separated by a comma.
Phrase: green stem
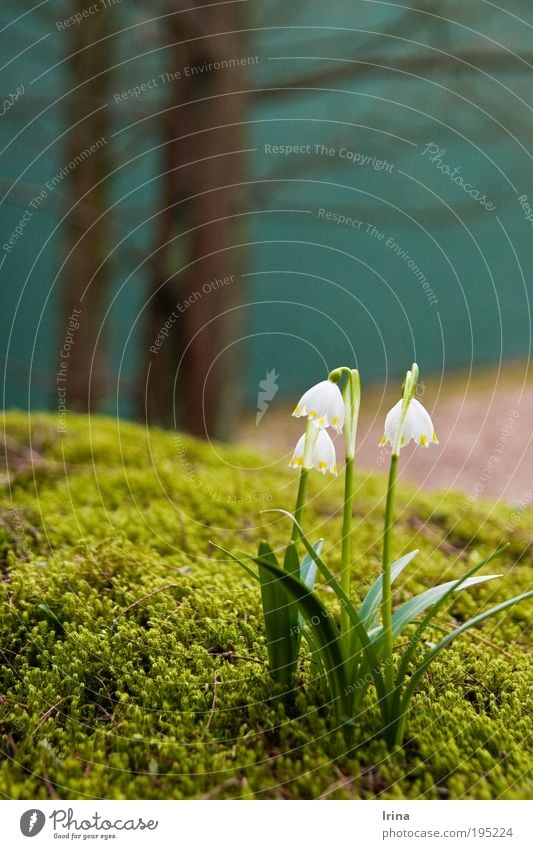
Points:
[[386, 606], [300, 503], [346, 554]]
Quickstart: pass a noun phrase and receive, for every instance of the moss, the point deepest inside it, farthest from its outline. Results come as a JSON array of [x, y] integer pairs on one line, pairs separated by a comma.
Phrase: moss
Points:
[[134, 656]]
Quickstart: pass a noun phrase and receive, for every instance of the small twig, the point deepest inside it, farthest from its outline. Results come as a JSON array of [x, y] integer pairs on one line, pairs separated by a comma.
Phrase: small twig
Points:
[[344, 783], [491, 644], [230, 782], [246, 657], [4, 699], [49, 786], [479, 683], [107, 715], [478, 636], [433, 537], [50, 712], [140, 600], [213, 703], [491, 692], [4, 649], [230, 655]]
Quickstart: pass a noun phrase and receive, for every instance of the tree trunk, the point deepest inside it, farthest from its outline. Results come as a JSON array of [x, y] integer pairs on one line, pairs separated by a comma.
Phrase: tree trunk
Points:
[[202, 196], [84, 282]]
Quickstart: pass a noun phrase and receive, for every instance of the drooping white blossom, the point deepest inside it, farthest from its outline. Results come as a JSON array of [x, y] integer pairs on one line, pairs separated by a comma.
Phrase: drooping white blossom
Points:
[[315, 450], [323, 404], [408, 420]]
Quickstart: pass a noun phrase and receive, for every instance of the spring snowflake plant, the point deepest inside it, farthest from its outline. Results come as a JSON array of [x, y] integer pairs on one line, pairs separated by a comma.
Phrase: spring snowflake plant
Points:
[[357, 651]]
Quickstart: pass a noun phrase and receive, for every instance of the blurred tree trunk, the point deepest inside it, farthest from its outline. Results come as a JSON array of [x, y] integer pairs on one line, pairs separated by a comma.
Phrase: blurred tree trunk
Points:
[[84, 282], [196, 228]]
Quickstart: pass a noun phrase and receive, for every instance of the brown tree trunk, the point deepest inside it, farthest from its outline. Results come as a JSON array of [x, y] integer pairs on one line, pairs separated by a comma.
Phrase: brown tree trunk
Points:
[[84, 282], [202, 197]]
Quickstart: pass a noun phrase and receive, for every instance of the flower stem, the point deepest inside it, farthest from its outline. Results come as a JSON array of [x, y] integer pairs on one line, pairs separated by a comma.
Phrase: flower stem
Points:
[[386, 606], [346, 554], [300, 503]]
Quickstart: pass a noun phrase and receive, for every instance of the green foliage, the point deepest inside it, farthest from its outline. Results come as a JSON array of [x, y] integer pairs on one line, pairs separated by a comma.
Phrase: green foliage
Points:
[[372, 601], [104, 694], [281, 618], [318, 627]]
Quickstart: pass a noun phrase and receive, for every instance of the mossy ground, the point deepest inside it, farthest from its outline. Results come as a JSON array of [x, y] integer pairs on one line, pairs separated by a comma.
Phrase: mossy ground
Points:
[[101, 696]]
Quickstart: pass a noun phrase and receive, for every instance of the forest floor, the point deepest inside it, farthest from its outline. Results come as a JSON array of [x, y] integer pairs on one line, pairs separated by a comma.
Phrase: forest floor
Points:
[[133, 657]]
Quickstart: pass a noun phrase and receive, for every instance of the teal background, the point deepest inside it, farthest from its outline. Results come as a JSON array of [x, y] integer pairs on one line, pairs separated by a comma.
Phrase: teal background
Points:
[[318, 294]]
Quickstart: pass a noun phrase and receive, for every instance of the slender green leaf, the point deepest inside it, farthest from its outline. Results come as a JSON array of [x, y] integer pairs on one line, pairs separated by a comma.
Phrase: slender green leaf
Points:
[[476, 621], [410, 650], [308, 569], [363, 642], [52, 617], [291, 561], [238, 560], [319, 628], [308, 572], [281, 619], [370, 606], [291, 565], [412, 608], [416, 676], [415, 606]]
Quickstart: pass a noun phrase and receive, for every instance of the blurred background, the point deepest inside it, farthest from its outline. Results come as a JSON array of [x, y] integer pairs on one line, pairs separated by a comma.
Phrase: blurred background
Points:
[[205, 207]]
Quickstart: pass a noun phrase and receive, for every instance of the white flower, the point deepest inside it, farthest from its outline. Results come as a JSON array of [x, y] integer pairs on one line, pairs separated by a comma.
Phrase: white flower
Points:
[[322, 404], [315, 450], [415, 423]]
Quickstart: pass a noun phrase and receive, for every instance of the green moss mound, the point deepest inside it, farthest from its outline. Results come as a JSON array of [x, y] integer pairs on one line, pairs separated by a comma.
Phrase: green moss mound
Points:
[[133, 656]]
